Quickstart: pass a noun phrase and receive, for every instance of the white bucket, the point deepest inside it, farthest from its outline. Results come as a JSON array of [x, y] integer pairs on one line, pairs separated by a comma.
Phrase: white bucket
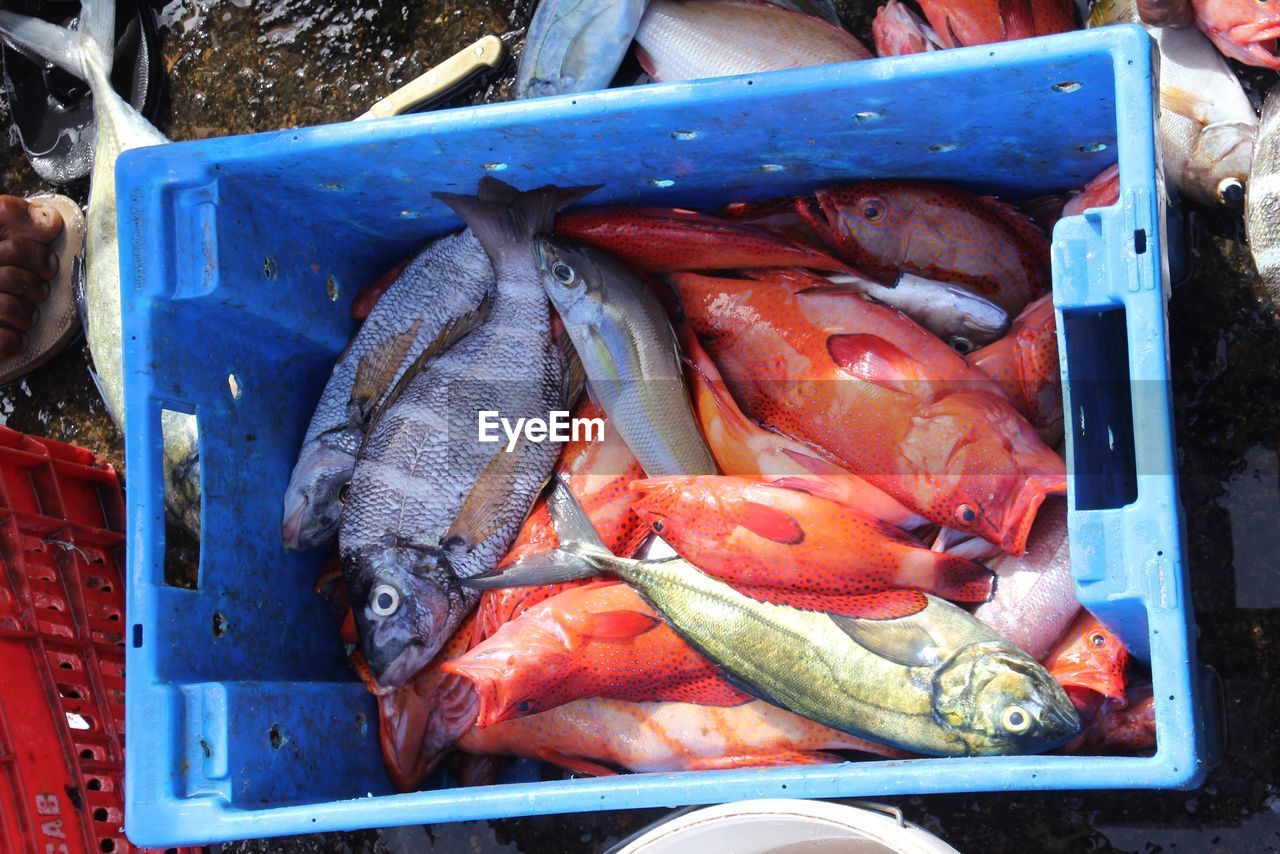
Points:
[[782, 826]]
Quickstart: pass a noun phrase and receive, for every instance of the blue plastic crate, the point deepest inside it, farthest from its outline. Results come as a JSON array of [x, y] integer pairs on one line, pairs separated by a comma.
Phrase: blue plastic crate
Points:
[[241, 256]]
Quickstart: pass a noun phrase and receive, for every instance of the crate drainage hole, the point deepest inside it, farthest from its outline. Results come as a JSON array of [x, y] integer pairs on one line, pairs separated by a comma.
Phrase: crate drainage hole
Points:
[[277, 736], [495, 167], [867, 117], [219, 624], [772, 167], [942, 147], [233, 383], [86, 754], [684, 135], [362, 724], [78, 722], [269, 268], [107, 845], [101, 814], [94, 784], [661, 183], [331, 288], [1067, 87], [1093, 147]]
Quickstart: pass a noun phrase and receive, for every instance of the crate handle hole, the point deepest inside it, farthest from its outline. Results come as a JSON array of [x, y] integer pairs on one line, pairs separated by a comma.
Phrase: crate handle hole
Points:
[[276, 736], [179, 428], [1066, 87], [1140, 241], [220, 624], [137, 635]]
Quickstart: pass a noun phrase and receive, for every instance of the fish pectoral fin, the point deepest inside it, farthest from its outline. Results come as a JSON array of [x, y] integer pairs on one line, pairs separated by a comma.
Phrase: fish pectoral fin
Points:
[[899, 640], [1183, 103], [576, 764], [771, 524], [376, 370], [604, 357], [481, 511], [609, 625], [875, 360]]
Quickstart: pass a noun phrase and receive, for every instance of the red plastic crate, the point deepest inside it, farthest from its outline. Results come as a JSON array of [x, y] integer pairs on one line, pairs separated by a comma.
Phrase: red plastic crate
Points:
[[62, 634]]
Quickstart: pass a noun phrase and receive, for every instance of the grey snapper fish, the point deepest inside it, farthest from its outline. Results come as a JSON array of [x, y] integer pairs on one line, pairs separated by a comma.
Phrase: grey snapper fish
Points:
[[1207, 125], [954, 313], [630, 355], [87, 53], [937, 682], [429, 503], [575, 45], [1262, 203], [1035, 597], [697, 39], [439, 293]]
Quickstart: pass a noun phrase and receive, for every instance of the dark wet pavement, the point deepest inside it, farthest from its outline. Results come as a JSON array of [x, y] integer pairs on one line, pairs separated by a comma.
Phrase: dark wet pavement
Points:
[[241, 65]]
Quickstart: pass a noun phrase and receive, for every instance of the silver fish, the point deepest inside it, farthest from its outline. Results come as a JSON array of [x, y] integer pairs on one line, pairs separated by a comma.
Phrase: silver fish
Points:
[[447, 282], [824, 9], [576, 45], [630, 355], [696, 39], [1262, 205], [87, 52], [429, 503], [954, 313], [1207, 124], [1035, 597], [936, 682]]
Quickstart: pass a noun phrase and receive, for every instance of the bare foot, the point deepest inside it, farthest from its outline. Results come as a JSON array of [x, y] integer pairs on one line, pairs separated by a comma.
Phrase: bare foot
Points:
[[26, 266]]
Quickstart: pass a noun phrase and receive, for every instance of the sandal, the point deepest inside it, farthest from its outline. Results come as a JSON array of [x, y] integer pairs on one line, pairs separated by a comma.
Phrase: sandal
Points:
[[53, 110], [59, 319]]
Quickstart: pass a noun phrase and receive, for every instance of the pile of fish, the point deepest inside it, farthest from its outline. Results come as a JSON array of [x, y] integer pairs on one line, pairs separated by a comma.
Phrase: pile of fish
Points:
[[822, 513]]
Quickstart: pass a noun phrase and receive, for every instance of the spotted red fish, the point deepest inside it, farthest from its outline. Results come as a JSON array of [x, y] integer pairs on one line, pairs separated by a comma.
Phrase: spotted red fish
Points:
[[1089, 662], [936, 231], [776, 215], [1102, 191], [879, 395], [967, 22], [1025, 363], [1128, 729], [602, 640], [664, 240], [367, 296], [782, 543]]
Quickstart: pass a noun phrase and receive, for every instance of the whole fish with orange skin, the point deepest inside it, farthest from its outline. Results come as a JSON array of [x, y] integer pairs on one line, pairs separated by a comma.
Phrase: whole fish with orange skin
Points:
[[1089, 662], [750, 533], [665, 240], [602, 640], [960, 23], [880, 395], [936, 231], [600, 737], [599, 475], [1025, 363], [745, 449], [1128, 729]]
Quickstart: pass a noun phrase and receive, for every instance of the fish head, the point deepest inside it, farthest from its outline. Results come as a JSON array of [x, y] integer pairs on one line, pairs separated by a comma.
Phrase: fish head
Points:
[[1089, 661], [1218, 168], [870, 222], [401, 613], [515, 672], [956, 314], [998, 700], [670, 504], [315, 497], [573, 277], [1244, 30]]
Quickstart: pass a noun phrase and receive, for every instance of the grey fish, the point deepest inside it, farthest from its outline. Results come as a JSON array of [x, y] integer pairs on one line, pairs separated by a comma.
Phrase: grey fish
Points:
[[824, 9], [937, 682], [1207, 124], [954, 313], [428, 502], [87, 53], [445, 283], [1262, 204], [630, 355], [576, 45]]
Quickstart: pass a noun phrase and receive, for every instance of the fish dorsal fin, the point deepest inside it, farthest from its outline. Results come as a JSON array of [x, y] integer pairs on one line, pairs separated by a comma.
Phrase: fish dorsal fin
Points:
[[375, 371], [480, 513], [452, 332], [903, 641]]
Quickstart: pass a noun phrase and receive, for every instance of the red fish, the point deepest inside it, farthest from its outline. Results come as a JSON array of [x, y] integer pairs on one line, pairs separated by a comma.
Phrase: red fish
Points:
[[598, 474], [1128, 729], [880, 395], [898, 31], [743, 448], [960, 23], [600, 737], [1025, 363], [776, 215], [601, 640], [936, 231], [781, 542], [665, 240], [1102, 191], [1089, 663], [367, 296], [1245, 30]]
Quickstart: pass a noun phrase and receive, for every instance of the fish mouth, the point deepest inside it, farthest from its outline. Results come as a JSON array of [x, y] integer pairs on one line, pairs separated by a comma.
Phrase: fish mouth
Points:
[[1256, 31], [485, 679], [291, 528], [406, 664]]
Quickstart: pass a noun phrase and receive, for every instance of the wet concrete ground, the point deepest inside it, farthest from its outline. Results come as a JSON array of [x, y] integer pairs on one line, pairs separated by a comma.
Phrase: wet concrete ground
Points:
[[241, 65]]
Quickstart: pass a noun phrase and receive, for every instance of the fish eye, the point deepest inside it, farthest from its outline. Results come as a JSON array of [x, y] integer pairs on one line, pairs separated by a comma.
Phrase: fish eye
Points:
[[1231, 190], [563, 272], [385, 600], [962, 345], [658, 526], [1097, 639], [1015, 719], [524, 706], [344, 492], [965, 514], [873, 210]]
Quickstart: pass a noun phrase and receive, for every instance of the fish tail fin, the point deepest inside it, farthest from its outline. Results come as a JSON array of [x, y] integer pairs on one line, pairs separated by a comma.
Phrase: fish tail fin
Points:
[[505, 219], [67, 49], [962, 580], [555, 566]]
